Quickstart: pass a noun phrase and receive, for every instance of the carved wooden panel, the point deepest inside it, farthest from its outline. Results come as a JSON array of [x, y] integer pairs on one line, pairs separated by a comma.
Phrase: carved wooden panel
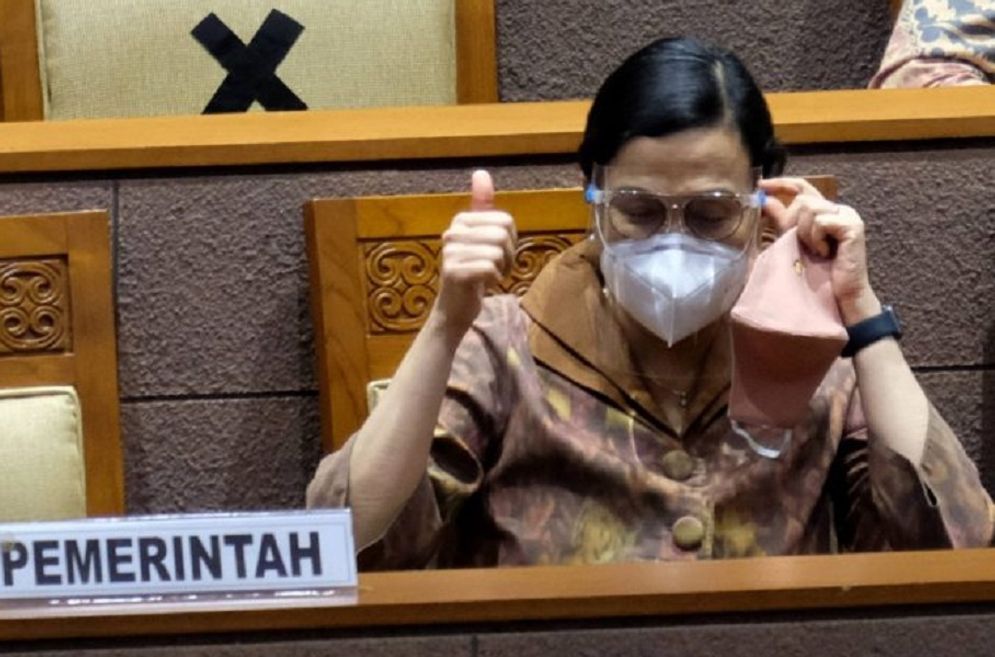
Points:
[[402, 277], [531, 255], [34, 306]]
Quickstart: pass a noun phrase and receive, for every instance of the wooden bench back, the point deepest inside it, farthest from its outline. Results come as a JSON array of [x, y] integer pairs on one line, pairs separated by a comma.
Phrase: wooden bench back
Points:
[[374, 267], [57, 328], [21, 79]]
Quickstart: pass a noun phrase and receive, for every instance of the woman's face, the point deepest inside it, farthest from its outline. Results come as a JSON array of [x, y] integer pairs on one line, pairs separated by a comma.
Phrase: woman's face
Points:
[[689, 163], [695, 161]]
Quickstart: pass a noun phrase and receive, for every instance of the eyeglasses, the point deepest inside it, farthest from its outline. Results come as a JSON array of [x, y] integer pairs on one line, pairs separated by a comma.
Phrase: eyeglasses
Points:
[[638, 214]]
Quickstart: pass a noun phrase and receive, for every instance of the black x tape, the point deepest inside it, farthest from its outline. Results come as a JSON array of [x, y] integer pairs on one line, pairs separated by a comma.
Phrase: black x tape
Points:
[[251, 69]]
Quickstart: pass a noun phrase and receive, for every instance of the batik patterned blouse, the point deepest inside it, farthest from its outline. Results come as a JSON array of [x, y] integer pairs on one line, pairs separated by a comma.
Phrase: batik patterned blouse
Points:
[[549, 452], [940, 43]]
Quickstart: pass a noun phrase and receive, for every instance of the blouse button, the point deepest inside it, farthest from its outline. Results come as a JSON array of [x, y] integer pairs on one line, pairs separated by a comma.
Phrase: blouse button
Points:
[[688, 533], [677, 464]]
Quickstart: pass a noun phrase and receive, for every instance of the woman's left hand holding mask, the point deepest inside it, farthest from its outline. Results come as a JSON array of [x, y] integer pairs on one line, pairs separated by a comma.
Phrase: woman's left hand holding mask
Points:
[[830, 230], [893, 402]]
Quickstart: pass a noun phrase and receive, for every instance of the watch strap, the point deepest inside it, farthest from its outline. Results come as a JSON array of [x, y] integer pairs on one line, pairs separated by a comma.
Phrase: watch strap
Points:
[[867, 332]]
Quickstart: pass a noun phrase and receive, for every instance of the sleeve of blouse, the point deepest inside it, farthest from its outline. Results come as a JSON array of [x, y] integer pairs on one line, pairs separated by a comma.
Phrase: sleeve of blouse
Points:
[[939, 43], [469, 426], [884, 502]]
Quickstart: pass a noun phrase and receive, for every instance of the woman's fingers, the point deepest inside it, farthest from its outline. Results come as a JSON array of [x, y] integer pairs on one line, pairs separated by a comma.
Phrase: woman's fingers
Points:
[[817, 237], [782, 195], [808, 213], [463, 253], [782, 200], [472, 271], [778, 213], [494, 228], [789, 185], [843, 225], [468, 229]]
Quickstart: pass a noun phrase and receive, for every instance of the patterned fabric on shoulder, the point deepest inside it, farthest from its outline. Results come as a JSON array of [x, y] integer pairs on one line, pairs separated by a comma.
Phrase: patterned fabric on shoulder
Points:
[[940, 43]]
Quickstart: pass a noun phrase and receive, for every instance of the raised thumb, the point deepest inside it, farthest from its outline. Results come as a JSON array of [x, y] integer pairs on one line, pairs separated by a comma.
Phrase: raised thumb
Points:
[[481, 191]]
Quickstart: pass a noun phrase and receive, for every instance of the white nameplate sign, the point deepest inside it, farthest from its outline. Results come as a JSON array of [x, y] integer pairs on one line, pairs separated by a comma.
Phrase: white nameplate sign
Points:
[[178, 554]]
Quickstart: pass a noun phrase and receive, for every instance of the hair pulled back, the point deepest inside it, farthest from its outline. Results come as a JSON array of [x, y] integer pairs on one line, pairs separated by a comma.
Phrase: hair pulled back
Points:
[[674, 84]]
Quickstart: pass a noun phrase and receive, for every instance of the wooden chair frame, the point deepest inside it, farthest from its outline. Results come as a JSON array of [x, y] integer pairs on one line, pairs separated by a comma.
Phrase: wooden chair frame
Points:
[[66, 258], [374, 274], [385, 249], [20, 78]]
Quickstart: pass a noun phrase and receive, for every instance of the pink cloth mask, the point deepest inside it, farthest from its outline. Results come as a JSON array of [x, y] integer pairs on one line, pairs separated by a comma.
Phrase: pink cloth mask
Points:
[[786, 334]]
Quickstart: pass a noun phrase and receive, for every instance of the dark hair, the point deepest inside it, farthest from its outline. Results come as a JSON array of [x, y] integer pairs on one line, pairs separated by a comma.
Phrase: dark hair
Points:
[[674, 84]]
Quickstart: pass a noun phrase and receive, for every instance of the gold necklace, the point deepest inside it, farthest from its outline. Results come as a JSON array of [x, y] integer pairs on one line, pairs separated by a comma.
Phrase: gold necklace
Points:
[[684, 396]]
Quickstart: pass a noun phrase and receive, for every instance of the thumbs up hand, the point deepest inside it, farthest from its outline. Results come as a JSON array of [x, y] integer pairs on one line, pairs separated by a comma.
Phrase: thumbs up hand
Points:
[[478, 248]]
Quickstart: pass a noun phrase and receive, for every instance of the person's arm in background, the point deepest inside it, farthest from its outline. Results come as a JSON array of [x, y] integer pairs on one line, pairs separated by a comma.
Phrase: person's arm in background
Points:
[[894, 406], [390, 452], [939, 43]]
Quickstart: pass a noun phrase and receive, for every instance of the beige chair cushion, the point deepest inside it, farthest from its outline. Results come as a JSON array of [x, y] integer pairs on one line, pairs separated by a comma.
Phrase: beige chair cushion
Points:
[[42, 472], [105, 58]]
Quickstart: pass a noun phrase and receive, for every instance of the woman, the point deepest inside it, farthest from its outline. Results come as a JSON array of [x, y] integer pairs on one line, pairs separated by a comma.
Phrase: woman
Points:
[[574, 426]]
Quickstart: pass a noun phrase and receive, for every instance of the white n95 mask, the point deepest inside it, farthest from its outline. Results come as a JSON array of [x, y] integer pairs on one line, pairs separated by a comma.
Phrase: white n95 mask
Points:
[[674, 284]]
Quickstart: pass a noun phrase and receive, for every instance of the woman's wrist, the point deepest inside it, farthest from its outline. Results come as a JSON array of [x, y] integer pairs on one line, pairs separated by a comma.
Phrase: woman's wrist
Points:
[[439, 326], [859, 308]]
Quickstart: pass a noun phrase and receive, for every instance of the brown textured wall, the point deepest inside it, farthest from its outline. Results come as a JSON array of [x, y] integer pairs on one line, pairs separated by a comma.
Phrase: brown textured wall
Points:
[[215, 344], [902, 633], [564, 48]]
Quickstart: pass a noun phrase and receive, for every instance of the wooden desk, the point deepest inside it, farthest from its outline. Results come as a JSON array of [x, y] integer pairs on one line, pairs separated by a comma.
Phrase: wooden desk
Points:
[[553, 593]]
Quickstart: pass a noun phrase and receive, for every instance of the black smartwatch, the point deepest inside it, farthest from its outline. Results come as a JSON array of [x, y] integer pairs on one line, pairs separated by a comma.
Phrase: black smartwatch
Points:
[[872, 329]]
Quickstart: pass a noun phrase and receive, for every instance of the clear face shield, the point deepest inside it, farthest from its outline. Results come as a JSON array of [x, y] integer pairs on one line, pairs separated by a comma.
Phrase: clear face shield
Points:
[[628, 208], [674, 263]]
